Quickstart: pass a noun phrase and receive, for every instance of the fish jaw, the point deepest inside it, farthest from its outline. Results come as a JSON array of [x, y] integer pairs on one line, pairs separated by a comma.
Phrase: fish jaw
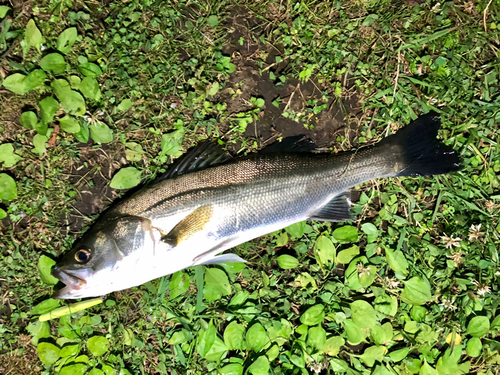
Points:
[[73, 283]]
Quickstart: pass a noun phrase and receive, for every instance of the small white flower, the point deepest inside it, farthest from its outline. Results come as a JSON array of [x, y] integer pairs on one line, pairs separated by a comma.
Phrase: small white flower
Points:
[[43, 48], [450, 242], [498, 272], [474, 232], [481, 289], [456, 256], [362, 270], [316, 367], [392, 283], [447, 304]]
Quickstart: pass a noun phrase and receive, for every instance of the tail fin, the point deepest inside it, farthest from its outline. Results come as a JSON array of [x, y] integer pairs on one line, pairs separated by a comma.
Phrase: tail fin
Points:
[[423, 154]]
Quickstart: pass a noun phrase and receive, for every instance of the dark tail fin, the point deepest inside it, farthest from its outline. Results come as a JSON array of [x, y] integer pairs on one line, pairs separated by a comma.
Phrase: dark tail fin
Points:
[[423, 154]]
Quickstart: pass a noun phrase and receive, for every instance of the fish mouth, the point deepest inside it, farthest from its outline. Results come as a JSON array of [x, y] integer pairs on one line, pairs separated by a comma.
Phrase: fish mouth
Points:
[[72, 283]]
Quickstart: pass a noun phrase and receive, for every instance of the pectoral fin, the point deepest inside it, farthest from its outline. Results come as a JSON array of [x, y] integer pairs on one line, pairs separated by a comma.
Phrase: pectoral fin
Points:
[[224, 258], [189, 226]]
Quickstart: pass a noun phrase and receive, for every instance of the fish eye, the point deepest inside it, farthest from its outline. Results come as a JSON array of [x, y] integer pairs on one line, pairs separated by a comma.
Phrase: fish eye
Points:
[[82, 255]]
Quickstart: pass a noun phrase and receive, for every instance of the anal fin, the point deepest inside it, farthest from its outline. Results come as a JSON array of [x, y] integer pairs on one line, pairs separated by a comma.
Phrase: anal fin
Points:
[[189, 226], [338, 209], [224, 258]]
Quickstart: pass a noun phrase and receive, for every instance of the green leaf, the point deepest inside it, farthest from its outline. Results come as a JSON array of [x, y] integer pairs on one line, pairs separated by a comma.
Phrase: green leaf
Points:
[[75, 82], [213, 89], [427, 369], [101, 133], [171, 143], [21, 84], [260, 366], [400, 354], [179, 284], [345, 256], [3, 10], [45, 265], [373, 354], [98, 345], [332, 345], [124, 105], [49, 107], [3, 214], [90, 70], [83, 134], [256, 338], [316, 337], [72, 101], [28, 120], [69, 351], [324, 250], [478, 326], [313, 315], [234, 336], [386, 304], [15, 83], [232, 369], [206, 339], [474, 347], [35, 79], [74, 369], [416, 292], [8, 188], [355, 335], [287, 262], [33, 36], [133, 151], [352, 274], [217, 350], [216, 284], [38, 330], [296, 230], [363, 314], [371, 231], [66, 40], [69, 124], [347, 233], [47, 352], [382, 335], [90, 88], [397, 262], [126, 178], [54, 63], [180, 337], [39, 142], [7, 155], [96, 371], [213, 20]]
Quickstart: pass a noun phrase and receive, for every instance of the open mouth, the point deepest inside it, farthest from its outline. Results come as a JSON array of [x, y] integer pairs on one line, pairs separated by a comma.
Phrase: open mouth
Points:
[[72, 283]]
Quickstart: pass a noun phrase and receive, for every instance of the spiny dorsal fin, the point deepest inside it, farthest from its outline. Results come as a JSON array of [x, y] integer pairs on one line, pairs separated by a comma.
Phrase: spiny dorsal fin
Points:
[[293, 144], [189, 226], [338, 209], [206, 155]]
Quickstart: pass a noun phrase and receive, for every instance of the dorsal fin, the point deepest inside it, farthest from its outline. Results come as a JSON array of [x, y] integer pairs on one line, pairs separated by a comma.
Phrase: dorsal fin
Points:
[[293, 144], [338, 209], [206, 155]]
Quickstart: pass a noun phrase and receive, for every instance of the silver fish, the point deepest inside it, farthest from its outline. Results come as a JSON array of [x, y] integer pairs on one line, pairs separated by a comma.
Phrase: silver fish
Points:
[[194, 215]]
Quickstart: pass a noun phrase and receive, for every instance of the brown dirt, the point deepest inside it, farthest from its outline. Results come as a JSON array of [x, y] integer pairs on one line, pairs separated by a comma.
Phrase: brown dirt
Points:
[[248, 82]]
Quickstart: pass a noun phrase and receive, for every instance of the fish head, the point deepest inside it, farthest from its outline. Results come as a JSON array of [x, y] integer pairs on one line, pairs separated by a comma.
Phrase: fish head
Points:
[[104, 259]]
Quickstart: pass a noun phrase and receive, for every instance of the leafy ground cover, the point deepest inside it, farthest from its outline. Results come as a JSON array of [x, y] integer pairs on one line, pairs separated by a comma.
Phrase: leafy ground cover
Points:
[[97, 98]]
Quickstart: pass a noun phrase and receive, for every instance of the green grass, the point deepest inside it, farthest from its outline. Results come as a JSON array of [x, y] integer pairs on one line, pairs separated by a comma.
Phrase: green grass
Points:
[[386, 294]]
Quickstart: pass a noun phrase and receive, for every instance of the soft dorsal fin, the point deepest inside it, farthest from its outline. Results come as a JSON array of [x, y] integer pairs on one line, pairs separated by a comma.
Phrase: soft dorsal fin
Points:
[[189, 226], [338, 209], [206, 155], [293, 144]]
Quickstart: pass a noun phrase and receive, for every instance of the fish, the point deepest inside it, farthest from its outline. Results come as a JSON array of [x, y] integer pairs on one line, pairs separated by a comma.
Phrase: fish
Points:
[[211, 202]]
